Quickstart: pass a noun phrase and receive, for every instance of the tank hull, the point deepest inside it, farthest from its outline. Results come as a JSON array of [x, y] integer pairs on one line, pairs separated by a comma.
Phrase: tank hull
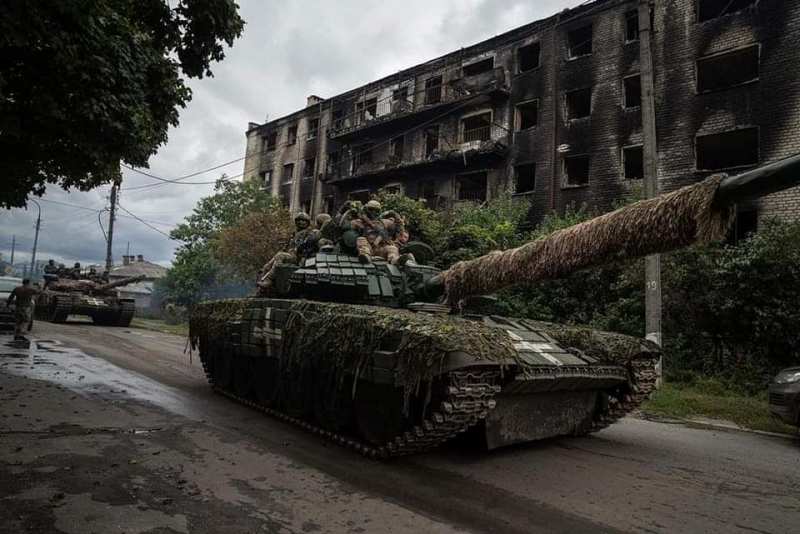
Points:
[[379, 397], [56, 306]]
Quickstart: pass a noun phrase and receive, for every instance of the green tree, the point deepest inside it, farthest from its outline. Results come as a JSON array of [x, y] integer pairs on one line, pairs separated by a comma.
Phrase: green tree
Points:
[[196, 272], [86, 84]]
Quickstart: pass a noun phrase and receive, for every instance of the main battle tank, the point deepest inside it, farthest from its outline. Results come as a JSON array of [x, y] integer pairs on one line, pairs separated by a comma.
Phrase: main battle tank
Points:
[[396, 360], [63, 297]]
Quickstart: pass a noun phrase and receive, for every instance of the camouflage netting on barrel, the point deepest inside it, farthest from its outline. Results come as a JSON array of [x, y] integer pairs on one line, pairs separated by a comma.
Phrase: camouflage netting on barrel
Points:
[[661, 224]]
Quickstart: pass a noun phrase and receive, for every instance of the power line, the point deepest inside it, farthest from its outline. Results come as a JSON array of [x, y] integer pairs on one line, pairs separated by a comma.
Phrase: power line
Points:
[[76, 206], [145, 223], [180, 178]]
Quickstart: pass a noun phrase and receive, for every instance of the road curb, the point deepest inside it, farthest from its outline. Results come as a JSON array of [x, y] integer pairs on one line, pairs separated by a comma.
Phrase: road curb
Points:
[[721, 426]]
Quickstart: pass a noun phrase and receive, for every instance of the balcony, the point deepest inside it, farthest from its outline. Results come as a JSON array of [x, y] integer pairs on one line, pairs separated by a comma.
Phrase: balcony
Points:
[[479, 147], [405, 110]]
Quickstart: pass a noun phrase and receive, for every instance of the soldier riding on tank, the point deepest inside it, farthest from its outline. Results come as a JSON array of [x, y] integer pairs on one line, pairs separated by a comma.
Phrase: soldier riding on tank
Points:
[[302, 244]]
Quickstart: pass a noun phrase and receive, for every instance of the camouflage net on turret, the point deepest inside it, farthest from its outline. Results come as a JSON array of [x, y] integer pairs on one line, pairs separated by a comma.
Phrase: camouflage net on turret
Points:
[[661, 224]]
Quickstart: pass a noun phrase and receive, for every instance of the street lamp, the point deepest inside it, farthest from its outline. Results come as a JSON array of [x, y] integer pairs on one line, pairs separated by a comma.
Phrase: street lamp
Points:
[[36, 235]]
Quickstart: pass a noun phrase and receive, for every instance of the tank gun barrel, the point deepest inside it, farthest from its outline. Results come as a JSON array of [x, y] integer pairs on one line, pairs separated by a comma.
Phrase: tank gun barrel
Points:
[[698, 213], [121, 282]]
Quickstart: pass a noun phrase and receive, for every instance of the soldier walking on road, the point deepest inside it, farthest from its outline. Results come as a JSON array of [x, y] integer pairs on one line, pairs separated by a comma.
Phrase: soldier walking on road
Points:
[[23, 295]]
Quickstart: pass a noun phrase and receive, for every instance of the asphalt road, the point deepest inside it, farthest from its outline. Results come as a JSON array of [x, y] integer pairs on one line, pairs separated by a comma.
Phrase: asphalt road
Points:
[[258, 474]]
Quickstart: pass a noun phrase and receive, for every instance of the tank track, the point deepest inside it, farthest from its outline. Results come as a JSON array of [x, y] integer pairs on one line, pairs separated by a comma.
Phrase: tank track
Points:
[[644, 372], [469, 397]]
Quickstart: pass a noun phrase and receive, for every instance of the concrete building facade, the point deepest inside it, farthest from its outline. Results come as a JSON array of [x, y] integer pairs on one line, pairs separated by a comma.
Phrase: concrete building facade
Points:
[[551, 110]]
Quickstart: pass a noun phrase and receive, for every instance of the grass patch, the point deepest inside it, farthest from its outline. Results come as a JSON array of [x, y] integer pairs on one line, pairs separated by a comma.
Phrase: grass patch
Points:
[[710, 398], [158, 325]]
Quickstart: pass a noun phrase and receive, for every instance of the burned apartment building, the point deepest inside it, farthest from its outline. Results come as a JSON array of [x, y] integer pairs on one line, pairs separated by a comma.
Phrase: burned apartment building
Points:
[[551, 110]]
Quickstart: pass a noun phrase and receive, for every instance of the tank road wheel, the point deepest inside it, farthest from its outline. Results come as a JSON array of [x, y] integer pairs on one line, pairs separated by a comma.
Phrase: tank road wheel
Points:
[[243, 376], [378, 412], [58, 311], [222, 369]]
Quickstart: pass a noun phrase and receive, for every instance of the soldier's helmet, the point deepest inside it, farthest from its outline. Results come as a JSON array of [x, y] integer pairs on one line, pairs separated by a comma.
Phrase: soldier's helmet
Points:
[[373, 208], [77, 265], [302, 217], [321, 219], [51, 262]]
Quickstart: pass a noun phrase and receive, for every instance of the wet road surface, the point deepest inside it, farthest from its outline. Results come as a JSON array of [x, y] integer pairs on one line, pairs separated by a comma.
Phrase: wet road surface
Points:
[[213, 465]]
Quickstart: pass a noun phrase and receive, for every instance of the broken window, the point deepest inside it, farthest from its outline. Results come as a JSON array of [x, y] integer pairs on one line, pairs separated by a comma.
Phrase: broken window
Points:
[[433, 90], [736, 148], [400, 94], [431, 140], [272, 141], [576, 170], [711, 9], [308, 167], [727, 70], [633, 91], [631, 26], [266, 178], [366, 110], [580, 41], [288, 173], [472, 187], [528, 57], [477, 127], [478, 67], [363, 155], [292, 135], [313, 127], [579, 103], [397, 147], [527, 115], [338, 119], [524, 178], [327, 204], [633, 161]]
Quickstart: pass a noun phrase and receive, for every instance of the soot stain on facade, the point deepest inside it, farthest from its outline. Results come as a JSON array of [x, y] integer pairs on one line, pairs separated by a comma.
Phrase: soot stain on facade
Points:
[[549, 110]]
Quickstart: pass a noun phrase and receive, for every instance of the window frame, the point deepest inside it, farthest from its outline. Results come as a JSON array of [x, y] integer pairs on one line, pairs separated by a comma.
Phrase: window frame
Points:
[[566, 104], [625, 39], [623, 160], [697, 12], [625, 92], [457, 184], [697, 61], [565, 176], [491, 58], [312, 134], [735, 167], [291, 141], [290, 179], [306, 175], [476, 113], [570, 57], [517, 61], [517, 115], [517, 165], [273, 134]]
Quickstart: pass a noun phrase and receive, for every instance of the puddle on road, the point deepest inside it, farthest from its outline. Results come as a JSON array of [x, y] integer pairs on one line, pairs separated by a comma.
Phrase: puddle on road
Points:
[[52, 361]]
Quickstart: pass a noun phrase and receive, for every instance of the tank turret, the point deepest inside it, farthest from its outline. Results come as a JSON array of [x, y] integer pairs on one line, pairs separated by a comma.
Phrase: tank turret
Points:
[[373, 357]]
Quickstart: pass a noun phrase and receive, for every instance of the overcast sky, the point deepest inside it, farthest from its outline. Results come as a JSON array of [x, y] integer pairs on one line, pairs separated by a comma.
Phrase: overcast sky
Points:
[[288, 50]]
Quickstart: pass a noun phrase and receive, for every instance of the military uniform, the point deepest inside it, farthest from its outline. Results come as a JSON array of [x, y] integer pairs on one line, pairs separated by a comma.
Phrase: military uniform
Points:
[[23, 295], [302, 244]]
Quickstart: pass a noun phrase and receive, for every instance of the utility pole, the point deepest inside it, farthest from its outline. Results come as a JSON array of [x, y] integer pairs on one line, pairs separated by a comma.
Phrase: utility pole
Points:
[[652, 293], [111, 216], [36, 237], [13, 248]]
